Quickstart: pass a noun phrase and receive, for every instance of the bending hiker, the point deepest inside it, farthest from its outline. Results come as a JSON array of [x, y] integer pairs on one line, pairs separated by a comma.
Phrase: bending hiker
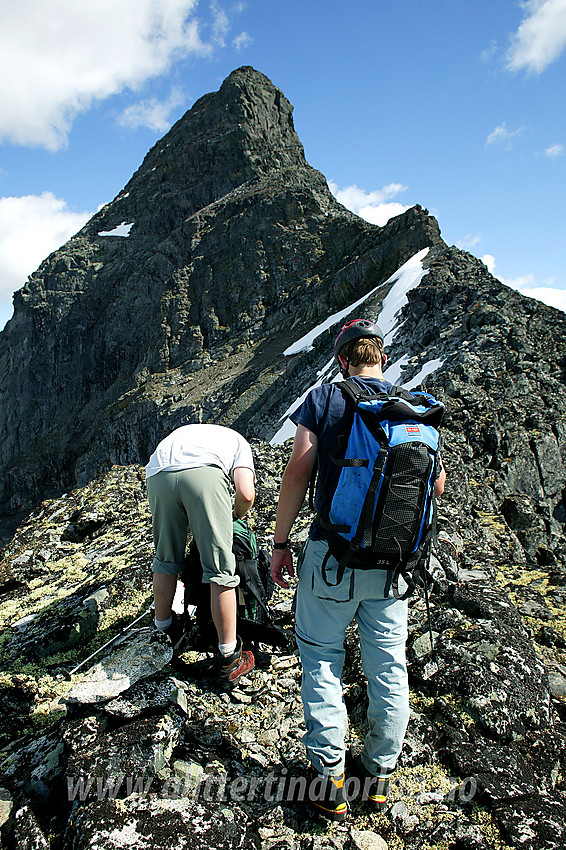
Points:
[[188, 482], [330, 596]]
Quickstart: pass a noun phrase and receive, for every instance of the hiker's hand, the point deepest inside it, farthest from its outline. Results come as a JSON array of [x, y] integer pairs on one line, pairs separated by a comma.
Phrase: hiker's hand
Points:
[[281, 560]]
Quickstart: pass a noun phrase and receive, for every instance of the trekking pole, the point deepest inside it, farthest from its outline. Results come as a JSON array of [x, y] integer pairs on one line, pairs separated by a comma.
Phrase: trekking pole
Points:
[[427, 603], [111, 641]]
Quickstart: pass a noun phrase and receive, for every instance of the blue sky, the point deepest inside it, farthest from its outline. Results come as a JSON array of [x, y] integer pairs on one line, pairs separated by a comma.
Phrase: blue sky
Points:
[[452, 104]]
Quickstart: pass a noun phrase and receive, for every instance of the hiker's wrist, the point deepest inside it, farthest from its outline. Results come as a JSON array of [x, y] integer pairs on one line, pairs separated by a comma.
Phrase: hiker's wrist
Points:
[[283, 544]]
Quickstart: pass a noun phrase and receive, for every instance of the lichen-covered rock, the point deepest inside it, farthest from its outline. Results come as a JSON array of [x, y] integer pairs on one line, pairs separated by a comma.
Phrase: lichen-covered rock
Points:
[[141, 821], [502, 773], [32, 768], [537, 823], [28, 834], [118, 758], [505, 688], [137, 657], [364, 839], [70, 623], [6, 805], [150, 694]]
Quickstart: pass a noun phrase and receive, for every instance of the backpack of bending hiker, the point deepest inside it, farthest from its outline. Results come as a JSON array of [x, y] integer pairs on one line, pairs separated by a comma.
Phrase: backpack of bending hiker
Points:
[[383, 510], [254, 621]]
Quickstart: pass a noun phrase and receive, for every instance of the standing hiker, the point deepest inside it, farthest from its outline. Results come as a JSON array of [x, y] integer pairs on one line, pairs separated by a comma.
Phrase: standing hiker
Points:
[[330, 596], [188, 483]]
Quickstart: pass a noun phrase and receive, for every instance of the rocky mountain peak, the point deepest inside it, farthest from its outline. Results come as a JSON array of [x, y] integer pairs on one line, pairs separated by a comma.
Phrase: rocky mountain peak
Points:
[[177, 300], [243, 131]]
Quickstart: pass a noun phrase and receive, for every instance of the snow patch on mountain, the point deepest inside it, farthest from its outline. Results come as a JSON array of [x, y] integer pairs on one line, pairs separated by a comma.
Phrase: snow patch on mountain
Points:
[[404, 279], [122, 229]]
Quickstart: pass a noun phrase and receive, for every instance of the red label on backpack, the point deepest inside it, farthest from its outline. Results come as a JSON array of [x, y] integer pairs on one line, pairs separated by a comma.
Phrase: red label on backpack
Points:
[[413, 429]]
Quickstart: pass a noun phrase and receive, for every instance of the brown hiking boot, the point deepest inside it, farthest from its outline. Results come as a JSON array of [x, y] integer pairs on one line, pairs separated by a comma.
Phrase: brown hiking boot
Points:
[[233, 666]]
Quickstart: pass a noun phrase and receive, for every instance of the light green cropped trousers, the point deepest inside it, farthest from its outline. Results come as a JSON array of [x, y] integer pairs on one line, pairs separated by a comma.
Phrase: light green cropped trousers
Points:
[[196, 500]]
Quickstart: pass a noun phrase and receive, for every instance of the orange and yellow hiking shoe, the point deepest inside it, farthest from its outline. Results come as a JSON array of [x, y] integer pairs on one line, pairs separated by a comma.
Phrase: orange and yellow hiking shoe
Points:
[[373, 789], [326, 794]]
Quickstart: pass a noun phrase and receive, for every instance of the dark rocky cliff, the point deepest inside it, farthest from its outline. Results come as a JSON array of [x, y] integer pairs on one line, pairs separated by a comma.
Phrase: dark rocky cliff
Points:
[[235, 242], [237, 249]]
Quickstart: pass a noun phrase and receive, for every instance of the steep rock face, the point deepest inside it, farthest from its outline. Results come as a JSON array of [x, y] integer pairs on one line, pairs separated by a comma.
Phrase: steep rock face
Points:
[[234, 239], [503, 379]]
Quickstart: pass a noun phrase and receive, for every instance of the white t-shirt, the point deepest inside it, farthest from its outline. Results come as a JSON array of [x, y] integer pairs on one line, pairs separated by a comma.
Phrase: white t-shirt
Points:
[[201, 445]]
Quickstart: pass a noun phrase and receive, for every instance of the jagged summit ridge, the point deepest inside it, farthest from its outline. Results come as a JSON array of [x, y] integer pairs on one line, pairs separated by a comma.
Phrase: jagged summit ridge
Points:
[[243, 131]]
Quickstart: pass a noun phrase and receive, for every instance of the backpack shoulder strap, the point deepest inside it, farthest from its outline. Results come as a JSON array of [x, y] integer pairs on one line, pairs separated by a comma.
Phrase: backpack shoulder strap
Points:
[[254, 584], [359, 392], [350, 389]]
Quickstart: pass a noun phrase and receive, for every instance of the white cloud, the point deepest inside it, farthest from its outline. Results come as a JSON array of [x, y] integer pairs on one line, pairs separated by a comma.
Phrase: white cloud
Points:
[[469, 241], [541, 37], [501, 135], [525, 284], [241, 41], [375, 206], [31, 227], [488, 55], [220, 24], [548, 295], [524, 281], [61, 58], [554, 151], [489, 260], [153, 114]]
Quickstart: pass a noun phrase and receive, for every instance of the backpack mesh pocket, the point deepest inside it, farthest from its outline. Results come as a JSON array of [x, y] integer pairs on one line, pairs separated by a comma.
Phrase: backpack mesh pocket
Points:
[[398, 522]]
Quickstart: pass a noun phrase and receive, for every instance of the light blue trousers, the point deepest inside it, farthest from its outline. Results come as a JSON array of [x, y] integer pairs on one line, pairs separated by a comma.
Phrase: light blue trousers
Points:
[[323, 613]]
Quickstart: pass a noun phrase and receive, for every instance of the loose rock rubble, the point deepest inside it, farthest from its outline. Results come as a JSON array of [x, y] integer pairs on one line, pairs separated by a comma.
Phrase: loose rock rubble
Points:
[[158, 754]]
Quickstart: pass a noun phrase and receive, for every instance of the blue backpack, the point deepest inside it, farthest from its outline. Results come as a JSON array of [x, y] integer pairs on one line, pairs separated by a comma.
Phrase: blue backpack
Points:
[[382, 512]]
